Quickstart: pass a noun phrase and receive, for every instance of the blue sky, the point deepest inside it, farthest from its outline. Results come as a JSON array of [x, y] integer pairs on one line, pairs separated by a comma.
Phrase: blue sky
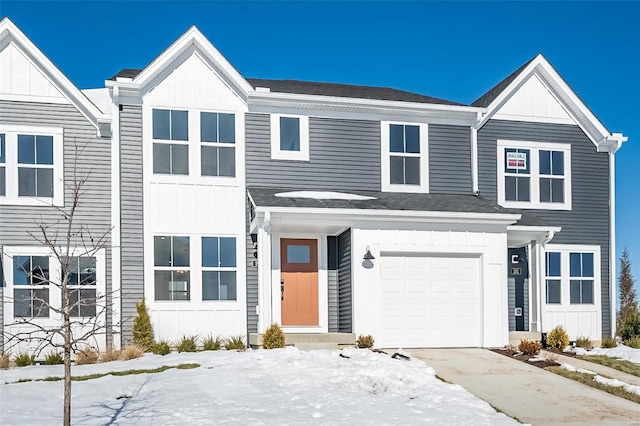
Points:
[[453, 50]]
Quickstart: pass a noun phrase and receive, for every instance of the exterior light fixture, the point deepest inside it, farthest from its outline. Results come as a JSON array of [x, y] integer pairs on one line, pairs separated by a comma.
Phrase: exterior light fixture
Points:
[[368, 255]]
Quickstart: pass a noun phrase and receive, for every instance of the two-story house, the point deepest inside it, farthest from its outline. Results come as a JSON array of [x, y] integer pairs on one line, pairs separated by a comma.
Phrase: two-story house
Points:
[[336, 210], [50, 131]]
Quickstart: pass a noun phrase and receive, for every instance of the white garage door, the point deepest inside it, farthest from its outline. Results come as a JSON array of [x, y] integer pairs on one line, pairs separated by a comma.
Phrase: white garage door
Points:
[[428, 301]]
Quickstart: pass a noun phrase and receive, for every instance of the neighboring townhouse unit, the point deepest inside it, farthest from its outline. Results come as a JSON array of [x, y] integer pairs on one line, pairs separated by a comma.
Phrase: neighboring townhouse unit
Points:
[[336, 210], [47, 126]]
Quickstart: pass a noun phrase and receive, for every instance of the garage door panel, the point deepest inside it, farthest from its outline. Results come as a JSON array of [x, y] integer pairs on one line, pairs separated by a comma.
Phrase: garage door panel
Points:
[[429, 302]]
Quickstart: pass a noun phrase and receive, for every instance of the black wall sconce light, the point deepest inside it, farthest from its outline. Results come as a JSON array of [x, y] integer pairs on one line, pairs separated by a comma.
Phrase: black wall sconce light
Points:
[[368, 255]]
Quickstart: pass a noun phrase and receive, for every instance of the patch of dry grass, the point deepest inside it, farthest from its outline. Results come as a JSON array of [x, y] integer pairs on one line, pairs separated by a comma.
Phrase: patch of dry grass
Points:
[[619, 364], [4, 360], [110, 355], [131, 352], [587, 379], [87, 356]]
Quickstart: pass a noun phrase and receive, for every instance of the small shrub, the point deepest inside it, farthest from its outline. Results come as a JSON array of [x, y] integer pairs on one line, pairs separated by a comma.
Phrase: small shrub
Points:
[[54, 358], [162, 347], [4, 360], [584, 342], [630, 327], [211, 343], [23, 359], [364, 342], [608, 342], [142, 329], [634, 342], [273, 338], [235, 342], [187, 344], [131, 352], [558, 338], [529, 347], [87, 356], [110, 355]]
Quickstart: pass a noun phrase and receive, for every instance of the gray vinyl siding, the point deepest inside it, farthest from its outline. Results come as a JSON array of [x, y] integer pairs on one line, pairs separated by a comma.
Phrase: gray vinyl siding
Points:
[[332, 277], [94, 211], [343, 155], [511, 287], [131, 215], [449, 159], [252, 281], [345, 292], [588, 221]]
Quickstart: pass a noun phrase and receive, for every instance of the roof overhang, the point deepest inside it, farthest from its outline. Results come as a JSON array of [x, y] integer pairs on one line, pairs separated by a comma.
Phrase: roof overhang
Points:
[[10, 33], [191, 42], [267, 102], [575, 107], [518, 236]]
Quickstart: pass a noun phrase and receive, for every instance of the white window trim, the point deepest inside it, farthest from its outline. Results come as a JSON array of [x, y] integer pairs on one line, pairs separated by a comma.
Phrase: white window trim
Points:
[[218, 269], [55, 296], [11, 165], [276, 152], [534, 168], [385, 160], [200, 144], [565, 278]]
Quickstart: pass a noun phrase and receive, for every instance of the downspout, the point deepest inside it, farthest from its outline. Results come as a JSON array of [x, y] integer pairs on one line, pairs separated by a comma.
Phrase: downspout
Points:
[[474, 155], [613, 293], [116, 276]]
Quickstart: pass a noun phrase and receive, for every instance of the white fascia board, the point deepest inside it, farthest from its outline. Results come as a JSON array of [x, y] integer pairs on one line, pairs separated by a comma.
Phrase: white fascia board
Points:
[[194, 37], [264, 101], [391, 215], [576, 108], [78, 99], [523, 228]]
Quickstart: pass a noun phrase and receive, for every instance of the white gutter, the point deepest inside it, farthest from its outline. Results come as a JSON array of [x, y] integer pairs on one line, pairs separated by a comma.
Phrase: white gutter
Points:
[[474, 155], [392, 215]]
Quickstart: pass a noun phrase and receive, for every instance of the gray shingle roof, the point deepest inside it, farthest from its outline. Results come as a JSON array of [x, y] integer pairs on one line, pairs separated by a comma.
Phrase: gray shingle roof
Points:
[[265, 197], [486, 99], [126, 73], [346, 90]]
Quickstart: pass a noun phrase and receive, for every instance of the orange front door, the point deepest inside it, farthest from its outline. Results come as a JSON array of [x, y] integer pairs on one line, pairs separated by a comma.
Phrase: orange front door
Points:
[[299, 285]]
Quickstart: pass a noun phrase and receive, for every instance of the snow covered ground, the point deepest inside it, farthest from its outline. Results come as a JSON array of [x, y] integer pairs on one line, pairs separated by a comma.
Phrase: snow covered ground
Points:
[[282, 387], [604, 380], [621, 351]]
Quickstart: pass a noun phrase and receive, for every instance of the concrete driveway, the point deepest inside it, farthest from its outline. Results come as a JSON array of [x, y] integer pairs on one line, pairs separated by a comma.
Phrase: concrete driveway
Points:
[[528, 393]]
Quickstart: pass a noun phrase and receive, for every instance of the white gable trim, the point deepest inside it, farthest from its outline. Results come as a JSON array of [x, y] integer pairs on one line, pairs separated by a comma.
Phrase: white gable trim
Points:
[[573, 105], [192, 41], [10, 33]]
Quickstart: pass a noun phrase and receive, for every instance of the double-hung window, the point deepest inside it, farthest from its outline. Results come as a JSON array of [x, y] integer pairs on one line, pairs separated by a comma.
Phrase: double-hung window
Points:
[[82, 286], [289, 137], [171, 268], [404, 157], [219, 268], [534, 175], [170, 142], [31, 165], [218, 137], [571, 274], [31, 286], [581, 272]]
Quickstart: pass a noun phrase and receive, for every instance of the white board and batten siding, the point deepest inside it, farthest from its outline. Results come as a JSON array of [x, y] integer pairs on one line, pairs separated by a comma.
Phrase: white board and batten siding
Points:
[[194, 206], [431, 288]]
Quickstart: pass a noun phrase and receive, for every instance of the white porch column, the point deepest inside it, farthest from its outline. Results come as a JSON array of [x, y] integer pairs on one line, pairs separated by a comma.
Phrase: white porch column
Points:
[[264, 308]]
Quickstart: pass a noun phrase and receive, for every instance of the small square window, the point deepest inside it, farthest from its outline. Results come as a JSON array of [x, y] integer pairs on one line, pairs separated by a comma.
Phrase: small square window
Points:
[[289, 134], [170, 125], [553, 291], [298, 254], [170, 159]]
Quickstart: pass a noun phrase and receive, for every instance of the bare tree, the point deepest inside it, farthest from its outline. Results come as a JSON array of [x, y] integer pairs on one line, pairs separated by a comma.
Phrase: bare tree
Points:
[[80, 315]]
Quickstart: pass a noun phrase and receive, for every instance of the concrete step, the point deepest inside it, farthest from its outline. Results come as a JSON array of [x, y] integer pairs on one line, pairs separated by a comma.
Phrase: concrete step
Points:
[[516, 336], [296, 339]]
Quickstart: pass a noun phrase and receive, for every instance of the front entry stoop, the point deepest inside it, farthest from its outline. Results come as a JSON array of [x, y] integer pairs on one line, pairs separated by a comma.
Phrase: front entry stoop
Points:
[[310, 341], [516, 336]]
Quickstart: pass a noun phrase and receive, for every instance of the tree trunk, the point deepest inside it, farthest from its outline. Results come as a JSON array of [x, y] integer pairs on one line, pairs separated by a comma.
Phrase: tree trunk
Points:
[[67, 365]]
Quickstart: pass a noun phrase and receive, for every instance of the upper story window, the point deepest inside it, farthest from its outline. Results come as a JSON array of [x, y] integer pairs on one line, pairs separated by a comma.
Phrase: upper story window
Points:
[[570, 274], [218, 137], [170, 142], [31, 165], [218, 268], [289, 137], [405, 163], [171, 263], [534, 175]]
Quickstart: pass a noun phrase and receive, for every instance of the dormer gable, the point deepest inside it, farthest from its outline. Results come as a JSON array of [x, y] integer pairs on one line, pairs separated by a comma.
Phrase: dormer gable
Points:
[[29, 75], [536, 92]]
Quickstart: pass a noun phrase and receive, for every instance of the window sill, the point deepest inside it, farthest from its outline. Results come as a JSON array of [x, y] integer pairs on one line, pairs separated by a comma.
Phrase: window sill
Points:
[[535, 206], [289, 156], [31, 201], [414, 189]]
